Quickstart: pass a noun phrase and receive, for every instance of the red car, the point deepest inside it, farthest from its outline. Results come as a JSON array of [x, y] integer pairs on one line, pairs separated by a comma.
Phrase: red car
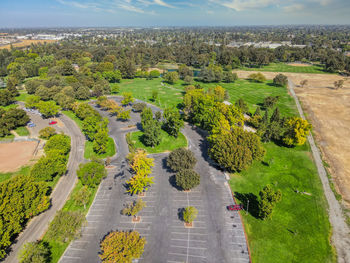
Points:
[[52, 122], [234, 207]]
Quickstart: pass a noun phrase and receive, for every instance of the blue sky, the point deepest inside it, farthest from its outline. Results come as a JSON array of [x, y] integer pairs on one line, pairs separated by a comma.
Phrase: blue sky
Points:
[[49, 13]]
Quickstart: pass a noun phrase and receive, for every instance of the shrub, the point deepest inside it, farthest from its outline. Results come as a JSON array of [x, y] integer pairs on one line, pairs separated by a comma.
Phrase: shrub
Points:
[[280, 80], [35, 252], [66, 226], [189, 214], [81, 198], [181, 159], [269, 199], [138, 107], [187, 179], [297, 130], [122, 247], [91, 173], [134, 208], [47, 132], [257, 77], [58, 142]]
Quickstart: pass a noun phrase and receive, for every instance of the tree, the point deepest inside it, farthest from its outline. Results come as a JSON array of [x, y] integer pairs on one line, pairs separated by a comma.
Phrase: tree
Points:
[[48, 108], [134, 208], [66, 226], [242, 105], [32, 101], [275, 117], [35, 252], [82, 197], [154, 74], [189, 214], [122, 247], [257, 77], [184, 72], [91, 125], [181, 159], [172, 122], [151, 134], [304, 83], [187, 179], [124, 115], [46, 133], [140, 163], [100, 142], [112, 76], [188, 80], [146, 116], [280, 80], [59, 143], [138, 107], [127, 98], [115, 89], [6, 97], [269, 199], [14, 118], [91, 173], [82, 93], [270, 101], [297, 130], [339, 84], [171, 77], [139, 183], [235, 150], [154, 95], [230, 77]]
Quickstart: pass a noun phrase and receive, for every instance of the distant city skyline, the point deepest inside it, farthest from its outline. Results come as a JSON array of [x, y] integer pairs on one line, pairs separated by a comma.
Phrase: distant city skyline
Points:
[[65, 13]]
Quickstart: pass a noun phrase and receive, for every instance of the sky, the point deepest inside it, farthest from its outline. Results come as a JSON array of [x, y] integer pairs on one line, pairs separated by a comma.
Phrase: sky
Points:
[[146, 13]]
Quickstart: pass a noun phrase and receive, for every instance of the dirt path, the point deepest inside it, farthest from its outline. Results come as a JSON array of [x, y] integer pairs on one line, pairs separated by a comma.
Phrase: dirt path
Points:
[[341, 232]]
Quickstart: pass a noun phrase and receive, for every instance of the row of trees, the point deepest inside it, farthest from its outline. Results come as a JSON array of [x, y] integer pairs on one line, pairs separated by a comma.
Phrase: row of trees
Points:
[[11, 119]]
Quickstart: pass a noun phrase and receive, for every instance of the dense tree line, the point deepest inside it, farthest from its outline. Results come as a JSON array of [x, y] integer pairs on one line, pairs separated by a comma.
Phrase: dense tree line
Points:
[[11, 119]]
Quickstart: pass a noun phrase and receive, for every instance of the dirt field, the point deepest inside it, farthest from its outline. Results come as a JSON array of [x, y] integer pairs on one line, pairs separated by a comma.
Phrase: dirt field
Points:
[[299, 64], [329, 112], [16, 154], [27, 42]]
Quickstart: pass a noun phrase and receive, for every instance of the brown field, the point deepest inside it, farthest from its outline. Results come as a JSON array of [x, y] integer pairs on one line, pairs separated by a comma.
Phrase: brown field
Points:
[[299, 64], [27, 42], [329, 112], [15, 155]]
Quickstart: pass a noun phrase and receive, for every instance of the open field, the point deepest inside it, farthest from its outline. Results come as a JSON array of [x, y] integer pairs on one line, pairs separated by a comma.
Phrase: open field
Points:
[[299, 230], [171, 95], [15, 155], [22, 131], [168, 143], [22, 171], [27, 42], [293, 68]]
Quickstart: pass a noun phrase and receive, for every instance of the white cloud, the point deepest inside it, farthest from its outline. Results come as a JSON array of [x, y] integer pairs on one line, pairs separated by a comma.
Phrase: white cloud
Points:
[[293, 8], [162, 3], [240, 5]]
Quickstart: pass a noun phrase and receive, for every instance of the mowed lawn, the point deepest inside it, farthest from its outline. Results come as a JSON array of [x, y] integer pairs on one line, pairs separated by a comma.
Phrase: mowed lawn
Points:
[[283, 67], [172, 95], [299, 230]]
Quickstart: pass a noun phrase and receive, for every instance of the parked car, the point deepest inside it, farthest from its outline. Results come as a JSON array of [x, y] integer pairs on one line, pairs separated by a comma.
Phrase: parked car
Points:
[[31, 124], [51, 122], [234, 207]]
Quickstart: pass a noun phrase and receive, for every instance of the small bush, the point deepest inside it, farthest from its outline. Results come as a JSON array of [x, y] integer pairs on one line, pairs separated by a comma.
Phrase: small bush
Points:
[[47, 132], [280, 80], [138, 107], [91, 173], [181, 159], [189, 214], [35, 252], [187, 179], [134, 208]]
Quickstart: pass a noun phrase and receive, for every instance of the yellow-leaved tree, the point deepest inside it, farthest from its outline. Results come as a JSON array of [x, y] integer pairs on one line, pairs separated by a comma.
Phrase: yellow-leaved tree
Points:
[[297, 130]]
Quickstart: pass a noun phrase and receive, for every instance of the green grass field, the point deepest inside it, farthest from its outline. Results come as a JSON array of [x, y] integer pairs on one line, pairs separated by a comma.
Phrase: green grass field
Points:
[[22, 96], [283, 67], [23, 171], [299, 230], [172, 95], [58, 248], [89, 151], [9, 138], [22, 131], [168, 143]]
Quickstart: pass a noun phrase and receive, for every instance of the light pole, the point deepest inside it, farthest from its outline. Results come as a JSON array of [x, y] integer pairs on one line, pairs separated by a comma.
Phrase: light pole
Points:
[[247, 206]]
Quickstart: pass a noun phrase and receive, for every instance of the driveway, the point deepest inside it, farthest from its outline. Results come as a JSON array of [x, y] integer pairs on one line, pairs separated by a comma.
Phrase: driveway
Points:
[[217, 235], [39, 224]]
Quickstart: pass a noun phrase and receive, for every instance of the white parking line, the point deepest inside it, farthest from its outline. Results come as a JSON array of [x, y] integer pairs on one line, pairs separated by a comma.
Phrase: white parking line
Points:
[[204, 248], [80, 249], [191, 240], [64, 256], [179, 254]]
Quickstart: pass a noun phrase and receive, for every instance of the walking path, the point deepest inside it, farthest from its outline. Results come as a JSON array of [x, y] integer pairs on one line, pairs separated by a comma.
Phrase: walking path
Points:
[[39, 224], [341, 232]]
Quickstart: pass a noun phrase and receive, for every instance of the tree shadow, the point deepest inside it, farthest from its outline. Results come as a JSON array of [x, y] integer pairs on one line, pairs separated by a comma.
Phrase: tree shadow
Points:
[[165, 165], [172, 182], [180, 213], [252, 206]]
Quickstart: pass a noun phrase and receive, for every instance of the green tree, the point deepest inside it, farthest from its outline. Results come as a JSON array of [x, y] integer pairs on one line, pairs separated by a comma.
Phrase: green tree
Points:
[[91, 173], [257, 77], [139, 183], [100, 141], [270, 101], [297, 130], [122, 247], [138, 107], [124, 115], [91, 125], [47, 132], [66, 226], [280, 80], [59, 143], [189, 214], [6, 97], [171, 77], [181, 159], [154, 95], [269, 199], [127, 98], [154, 74], [82, 197], [35, 252], [134, 208], [230, 77], [242, 105], [152, 135], [172, 122], [187, 179], [32, 101], [146, 116], [48, 108]]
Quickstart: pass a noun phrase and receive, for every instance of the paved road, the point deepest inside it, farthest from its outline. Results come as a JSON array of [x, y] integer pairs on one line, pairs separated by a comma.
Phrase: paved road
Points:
[[38, 225], [341, 232], [217, 235]]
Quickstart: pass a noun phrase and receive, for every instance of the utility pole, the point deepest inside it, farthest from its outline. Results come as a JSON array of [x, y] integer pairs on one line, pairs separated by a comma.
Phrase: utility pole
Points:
[[247, 206]]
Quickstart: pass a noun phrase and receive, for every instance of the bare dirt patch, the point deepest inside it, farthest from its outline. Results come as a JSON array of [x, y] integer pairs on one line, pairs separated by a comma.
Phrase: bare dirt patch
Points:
[[27, 42], [299, 64], [16, 154]]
